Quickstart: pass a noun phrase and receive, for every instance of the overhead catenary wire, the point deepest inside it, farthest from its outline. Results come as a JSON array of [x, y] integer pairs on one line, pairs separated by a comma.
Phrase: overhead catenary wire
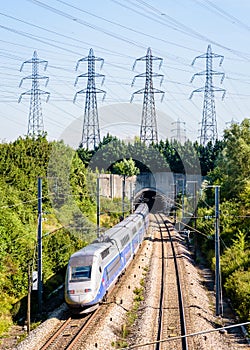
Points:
[[170, 339]]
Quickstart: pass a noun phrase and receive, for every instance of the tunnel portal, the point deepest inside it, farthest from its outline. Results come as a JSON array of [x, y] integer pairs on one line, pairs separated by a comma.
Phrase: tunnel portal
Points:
[[155, 200]]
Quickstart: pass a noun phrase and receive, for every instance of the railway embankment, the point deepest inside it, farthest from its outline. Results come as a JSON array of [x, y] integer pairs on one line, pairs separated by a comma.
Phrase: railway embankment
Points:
[[113, 329]]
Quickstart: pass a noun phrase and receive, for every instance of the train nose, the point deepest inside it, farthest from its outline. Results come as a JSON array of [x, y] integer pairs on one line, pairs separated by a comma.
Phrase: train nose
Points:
[[80, 296]]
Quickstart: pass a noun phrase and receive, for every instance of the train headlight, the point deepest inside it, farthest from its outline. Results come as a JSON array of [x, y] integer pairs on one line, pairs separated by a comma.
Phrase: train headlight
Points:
[[79, 291]]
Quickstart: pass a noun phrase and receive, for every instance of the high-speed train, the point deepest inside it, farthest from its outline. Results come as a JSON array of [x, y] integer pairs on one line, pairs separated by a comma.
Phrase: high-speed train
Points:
[[93, 270]]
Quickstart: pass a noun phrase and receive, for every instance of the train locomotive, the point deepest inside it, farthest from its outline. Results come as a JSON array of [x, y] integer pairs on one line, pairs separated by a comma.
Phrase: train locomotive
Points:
[[94, 269]]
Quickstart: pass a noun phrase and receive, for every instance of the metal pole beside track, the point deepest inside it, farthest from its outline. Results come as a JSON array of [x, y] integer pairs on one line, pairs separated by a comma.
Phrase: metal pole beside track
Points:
[[39, 244], [98, 205], [217, 255]]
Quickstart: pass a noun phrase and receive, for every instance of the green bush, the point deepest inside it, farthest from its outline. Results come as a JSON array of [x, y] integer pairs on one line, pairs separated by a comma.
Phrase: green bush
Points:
[[21, 163], [238, 289]]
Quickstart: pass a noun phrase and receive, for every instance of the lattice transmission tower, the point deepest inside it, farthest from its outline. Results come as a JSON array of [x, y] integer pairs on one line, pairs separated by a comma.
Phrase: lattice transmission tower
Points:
[[180, 132], [35, 123], [91, 130], [148, 129], [209, 124]]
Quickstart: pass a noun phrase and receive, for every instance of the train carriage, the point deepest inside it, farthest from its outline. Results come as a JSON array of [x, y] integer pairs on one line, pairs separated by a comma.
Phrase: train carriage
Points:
[[93, 270]]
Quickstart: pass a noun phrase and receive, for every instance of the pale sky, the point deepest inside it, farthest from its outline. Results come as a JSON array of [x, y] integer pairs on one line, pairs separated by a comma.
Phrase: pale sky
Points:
[[120, 31]]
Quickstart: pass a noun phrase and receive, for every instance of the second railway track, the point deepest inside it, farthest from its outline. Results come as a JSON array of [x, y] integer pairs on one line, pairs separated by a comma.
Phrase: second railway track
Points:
[[171, 318]]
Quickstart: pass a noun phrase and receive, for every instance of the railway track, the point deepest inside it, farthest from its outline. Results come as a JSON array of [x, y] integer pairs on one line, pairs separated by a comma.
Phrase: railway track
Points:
[[68, 334], [171, 316], [164, 325]]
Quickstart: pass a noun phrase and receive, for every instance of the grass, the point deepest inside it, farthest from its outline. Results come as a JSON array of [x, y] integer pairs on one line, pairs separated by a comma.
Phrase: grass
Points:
[[131, 317]]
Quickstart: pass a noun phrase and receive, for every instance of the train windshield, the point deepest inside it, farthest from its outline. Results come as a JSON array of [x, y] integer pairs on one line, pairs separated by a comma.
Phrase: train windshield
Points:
[[80, 273]]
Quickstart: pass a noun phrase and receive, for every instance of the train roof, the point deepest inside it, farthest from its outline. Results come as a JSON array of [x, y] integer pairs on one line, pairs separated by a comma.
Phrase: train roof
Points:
[[116, 231], [91, 249], [131, 218], [124, 227]]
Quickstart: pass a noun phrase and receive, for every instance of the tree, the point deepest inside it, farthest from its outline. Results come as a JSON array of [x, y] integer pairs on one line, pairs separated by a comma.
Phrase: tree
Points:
[[233, 166], [21, 162], [125, 168], [231, 172], [237, 256], [208, 155]]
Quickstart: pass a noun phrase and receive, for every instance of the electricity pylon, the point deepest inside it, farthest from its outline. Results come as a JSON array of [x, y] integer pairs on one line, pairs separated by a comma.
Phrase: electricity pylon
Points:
[[180, 133], [35, 123], [209, 123], [91, 130], [148, 130]]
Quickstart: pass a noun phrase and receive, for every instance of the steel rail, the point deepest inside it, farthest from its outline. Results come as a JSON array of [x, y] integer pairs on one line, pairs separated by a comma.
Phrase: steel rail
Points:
[[161, 301], [56, 334], [87, 319], [180, 295], [73, 341]]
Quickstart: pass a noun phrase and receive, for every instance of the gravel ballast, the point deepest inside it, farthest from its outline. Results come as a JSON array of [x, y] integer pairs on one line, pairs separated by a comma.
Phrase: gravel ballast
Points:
[[201, 307]]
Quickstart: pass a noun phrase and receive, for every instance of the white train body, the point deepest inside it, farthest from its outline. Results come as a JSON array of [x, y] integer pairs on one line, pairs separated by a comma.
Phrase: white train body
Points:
[[93, 270]]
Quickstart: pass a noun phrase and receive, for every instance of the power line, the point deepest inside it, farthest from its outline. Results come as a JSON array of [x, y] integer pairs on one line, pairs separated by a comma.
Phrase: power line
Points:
[[86, 24], [37, 38], [58, 34], [190, 31], [127, 28], [226, 15]]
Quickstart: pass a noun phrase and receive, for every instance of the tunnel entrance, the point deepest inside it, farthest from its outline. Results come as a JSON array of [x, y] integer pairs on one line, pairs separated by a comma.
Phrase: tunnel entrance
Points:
[[155, 201]]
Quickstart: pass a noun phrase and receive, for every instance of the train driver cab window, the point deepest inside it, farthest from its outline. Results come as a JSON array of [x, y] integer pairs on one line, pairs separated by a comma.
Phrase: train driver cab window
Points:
[[80, 273]]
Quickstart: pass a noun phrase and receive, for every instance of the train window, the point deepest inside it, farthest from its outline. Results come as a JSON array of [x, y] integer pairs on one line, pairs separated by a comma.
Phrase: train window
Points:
[[124, 240], [105, 253], [113, 267], [80, 273]]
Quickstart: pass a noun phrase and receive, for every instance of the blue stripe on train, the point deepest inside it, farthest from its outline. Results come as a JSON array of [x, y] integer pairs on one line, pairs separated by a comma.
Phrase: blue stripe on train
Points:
[[124, 257]]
